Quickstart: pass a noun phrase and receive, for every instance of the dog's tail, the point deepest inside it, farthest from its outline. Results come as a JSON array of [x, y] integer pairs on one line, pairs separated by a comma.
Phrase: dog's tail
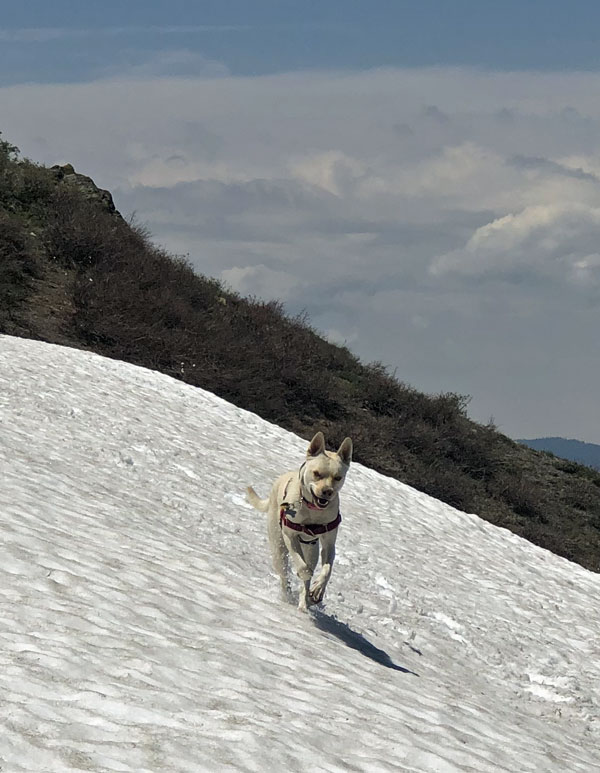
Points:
[[256, 501]]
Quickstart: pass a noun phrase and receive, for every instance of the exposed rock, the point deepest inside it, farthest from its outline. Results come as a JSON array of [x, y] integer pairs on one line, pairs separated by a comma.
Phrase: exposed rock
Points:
[[67, 175]]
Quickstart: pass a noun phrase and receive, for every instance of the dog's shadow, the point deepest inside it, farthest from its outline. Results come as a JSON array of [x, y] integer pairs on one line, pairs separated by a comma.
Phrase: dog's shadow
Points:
[[354, 640]]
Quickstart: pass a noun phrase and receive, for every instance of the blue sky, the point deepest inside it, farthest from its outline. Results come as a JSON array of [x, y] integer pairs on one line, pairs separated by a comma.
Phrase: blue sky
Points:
[[422, 178], [75, 41]]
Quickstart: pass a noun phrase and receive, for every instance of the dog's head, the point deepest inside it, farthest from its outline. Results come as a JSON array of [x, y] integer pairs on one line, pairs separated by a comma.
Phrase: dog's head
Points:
[[324, 471]]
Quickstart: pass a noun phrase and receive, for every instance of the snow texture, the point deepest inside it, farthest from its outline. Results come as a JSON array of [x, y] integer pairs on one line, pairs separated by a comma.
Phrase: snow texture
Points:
[[141, 627]]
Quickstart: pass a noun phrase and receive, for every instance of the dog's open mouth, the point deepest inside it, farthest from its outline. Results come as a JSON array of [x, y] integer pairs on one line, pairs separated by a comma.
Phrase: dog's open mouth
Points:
[[319, 502]]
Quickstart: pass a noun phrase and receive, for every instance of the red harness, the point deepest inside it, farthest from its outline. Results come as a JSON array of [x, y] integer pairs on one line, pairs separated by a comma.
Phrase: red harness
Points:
[[312, 529]]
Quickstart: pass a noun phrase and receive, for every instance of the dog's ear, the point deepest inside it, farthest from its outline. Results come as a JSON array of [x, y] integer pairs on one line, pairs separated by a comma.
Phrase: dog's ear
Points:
[[345, 450], [317, 445]]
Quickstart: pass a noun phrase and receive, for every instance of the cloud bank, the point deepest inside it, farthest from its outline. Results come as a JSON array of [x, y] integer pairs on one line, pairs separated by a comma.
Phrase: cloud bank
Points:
[[445, 221]]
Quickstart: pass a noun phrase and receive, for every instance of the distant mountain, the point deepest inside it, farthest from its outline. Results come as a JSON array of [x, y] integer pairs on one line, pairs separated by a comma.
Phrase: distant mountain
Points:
[[575, 450]]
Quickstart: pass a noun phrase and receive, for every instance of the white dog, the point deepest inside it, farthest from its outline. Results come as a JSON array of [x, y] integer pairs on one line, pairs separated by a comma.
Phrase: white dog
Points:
[[304, 510]]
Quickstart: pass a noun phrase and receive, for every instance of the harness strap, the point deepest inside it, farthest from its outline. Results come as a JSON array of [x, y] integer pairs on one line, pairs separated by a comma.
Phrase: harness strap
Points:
[[312, 529], [308, 541]]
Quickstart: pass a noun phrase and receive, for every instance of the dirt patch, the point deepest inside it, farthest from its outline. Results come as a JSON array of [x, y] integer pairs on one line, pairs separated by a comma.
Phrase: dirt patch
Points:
[[50, 308]]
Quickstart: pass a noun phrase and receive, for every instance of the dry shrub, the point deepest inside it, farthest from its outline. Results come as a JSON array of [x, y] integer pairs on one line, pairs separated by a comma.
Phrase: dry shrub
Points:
[[19, 264]]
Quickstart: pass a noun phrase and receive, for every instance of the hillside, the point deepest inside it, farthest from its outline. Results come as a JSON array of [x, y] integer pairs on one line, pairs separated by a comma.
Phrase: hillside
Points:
[[575, 450], [141, 624], [74, 272]]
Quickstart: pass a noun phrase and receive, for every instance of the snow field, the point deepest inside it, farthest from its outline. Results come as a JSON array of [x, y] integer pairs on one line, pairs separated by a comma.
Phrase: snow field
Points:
[[141, 628]]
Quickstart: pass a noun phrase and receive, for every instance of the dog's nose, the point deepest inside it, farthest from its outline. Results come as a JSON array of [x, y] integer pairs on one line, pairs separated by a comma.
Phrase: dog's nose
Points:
[[327, 492]]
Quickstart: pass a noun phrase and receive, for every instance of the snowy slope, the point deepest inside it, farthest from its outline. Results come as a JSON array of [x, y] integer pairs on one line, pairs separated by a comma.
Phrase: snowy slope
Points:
[[140, 624]]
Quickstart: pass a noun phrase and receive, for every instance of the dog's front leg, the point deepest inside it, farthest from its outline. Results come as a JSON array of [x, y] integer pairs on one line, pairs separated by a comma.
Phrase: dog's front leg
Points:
[[317, 590], [302, 569]]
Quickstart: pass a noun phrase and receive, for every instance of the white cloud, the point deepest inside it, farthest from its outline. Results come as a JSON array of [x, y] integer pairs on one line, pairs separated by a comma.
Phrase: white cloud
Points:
[[346, 338], [333, 171], [166, 63], [586, 271], [550, 241], [178, 167], [261, 281]]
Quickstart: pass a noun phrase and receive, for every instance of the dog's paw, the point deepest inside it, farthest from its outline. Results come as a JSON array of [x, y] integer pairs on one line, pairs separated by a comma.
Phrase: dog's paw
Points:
[[305, 574], [316, 594]]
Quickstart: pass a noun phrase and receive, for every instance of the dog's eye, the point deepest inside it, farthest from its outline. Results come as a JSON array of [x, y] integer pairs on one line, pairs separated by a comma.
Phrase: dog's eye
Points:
[[338, 477], [317, 475]]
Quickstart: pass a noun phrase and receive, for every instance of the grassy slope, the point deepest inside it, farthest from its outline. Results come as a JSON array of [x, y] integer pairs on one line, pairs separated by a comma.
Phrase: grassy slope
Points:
[[73, 272]]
